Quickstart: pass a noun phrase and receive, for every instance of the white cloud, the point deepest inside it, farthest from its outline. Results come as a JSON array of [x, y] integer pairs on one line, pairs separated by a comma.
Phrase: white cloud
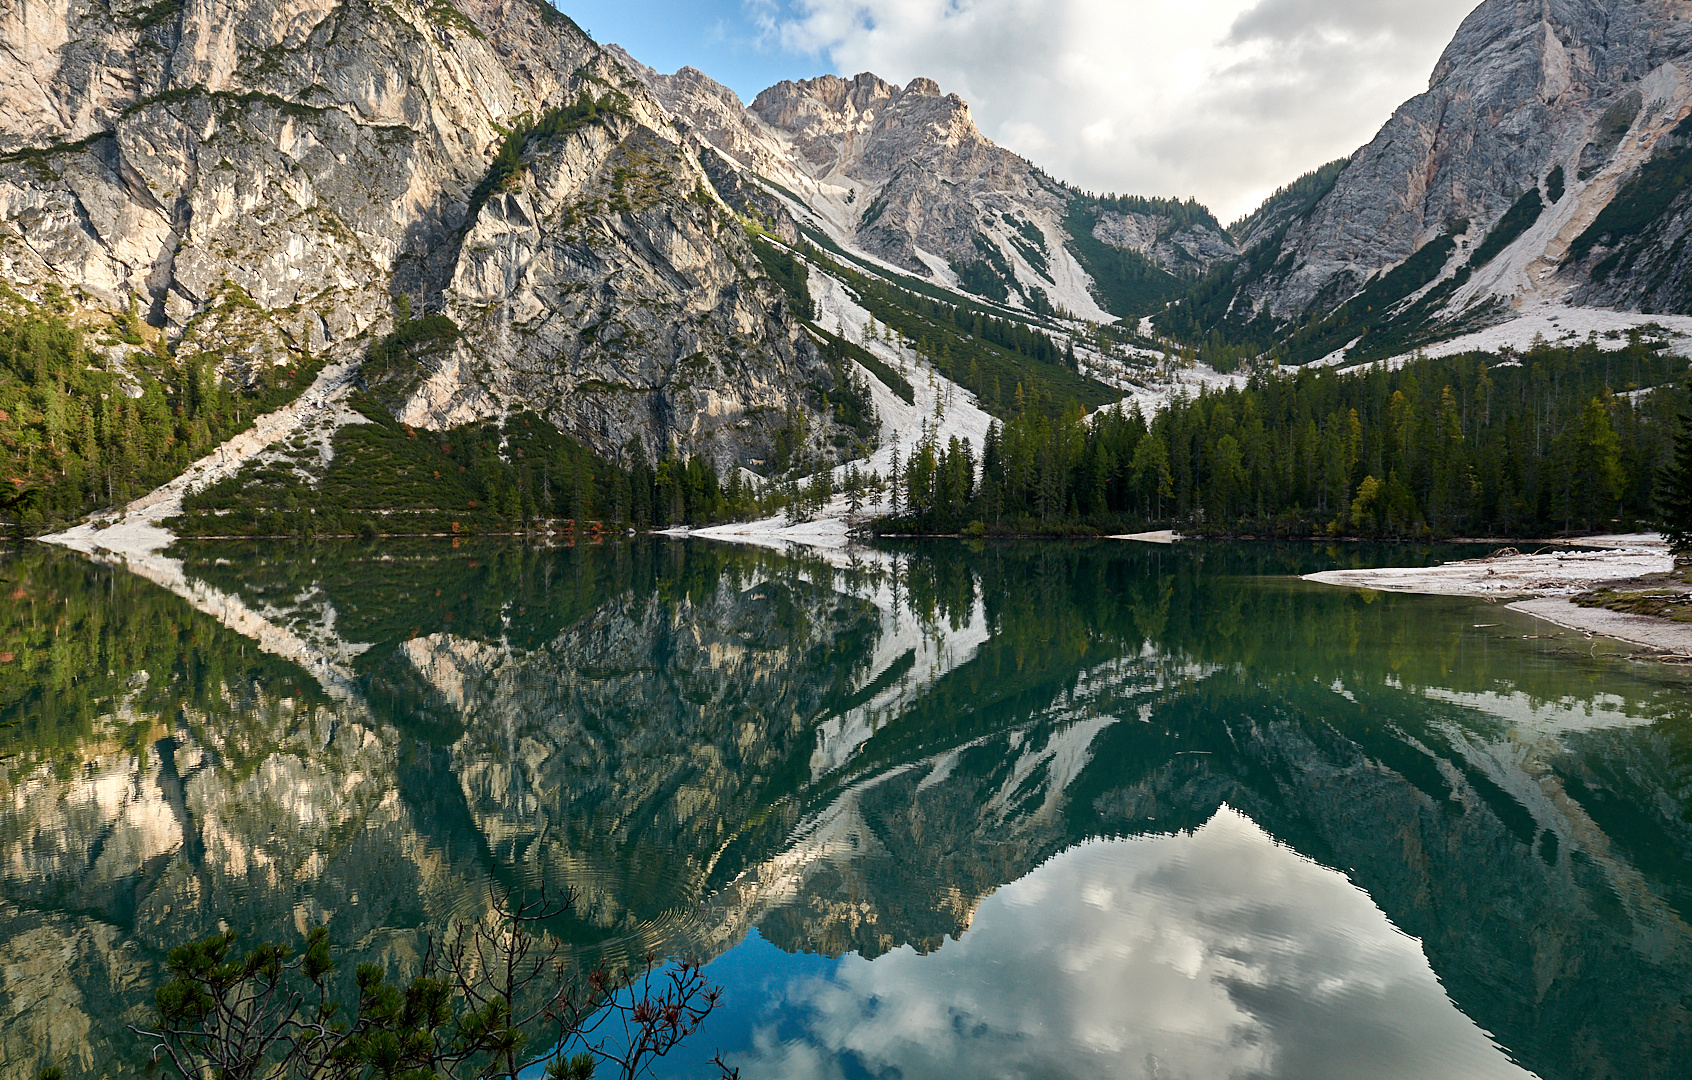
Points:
[[1219, 953], [1222, 99]]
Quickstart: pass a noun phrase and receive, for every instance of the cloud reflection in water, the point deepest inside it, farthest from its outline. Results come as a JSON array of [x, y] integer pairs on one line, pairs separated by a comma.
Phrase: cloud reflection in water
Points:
[[1219, 953]]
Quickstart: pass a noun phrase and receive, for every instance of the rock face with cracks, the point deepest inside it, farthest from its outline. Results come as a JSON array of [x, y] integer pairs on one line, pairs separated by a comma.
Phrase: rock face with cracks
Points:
[[1565, 98], [1186, 251], [906, 176], [263, 179]]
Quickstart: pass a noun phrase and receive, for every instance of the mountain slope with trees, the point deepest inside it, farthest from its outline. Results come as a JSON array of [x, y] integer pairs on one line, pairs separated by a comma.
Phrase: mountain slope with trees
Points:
[[1554, 440], [1544, 165]]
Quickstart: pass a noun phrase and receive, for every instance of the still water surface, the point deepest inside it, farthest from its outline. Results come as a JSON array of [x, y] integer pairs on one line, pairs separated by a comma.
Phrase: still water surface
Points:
[[942, 810]]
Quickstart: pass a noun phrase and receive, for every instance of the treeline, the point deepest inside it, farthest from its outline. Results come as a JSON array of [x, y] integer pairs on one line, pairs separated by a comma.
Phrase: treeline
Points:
[[789, 273], [1292, 200], [994, 358], [988, 355], [1130, 283], [1368, 326], [1180, 214], [81, 430], [1558, 439], [386, 478]]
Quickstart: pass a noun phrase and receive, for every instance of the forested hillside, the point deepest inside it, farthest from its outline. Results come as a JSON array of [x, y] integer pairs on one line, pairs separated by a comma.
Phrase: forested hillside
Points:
[[91, 416], [1554, 440], [993, 357]]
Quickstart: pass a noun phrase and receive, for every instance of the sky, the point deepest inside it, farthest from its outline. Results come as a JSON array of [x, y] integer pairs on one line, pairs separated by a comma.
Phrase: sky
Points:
[[1222, 100]]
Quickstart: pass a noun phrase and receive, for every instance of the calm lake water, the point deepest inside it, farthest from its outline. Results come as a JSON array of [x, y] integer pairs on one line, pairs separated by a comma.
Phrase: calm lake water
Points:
[[942, 810]]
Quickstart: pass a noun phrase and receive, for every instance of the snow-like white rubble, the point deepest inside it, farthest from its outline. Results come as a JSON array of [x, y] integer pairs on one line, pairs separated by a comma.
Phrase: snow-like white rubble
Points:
[[137, 529], [942, 410], [1559, 324], [1560, 572]]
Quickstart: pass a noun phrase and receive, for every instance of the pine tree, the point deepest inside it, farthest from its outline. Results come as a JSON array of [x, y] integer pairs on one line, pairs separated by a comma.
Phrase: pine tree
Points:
[[1674, 492], [893, 482]]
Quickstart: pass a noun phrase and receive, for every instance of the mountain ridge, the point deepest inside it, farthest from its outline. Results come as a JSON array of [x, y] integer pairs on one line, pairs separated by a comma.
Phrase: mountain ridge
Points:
[[325, 160], [1574, 97], [905, 175], [501, 218]]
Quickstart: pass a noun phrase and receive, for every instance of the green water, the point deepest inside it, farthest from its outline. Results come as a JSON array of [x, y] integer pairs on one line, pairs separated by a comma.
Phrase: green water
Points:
[[938, 810]]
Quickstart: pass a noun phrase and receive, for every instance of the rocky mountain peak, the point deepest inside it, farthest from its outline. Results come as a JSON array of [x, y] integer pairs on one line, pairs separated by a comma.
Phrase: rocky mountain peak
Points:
[[907, 176], [1551, 106], [821, 112], [789, 103]]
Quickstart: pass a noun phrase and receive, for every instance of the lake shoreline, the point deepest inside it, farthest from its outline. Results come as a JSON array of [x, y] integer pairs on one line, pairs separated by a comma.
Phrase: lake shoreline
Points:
[[1537, 584], [1543, 585]]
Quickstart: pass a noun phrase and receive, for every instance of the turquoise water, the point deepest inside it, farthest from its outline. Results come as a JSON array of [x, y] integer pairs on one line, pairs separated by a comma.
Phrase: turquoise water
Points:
[[937, 810]]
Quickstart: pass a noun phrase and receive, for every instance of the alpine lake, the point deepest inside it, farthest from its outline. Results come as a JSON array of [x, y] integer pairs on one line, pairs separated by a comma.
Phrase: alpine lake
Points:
[[937, 809]]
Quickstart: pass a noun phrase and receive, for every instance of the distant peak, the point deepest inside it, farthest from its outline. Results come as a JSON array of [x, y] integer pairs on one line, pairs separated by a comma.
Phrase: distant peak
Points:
[[861, 93]]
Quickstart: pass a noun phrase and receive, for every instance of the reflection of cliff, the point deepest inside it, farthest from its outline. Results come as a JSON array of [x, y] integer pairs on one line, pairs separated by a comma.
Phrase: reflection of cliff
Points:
[[1563, 948], [618, 717], [850, 758], [164, 777], [653, 747], [1535, 841], [648, 738]]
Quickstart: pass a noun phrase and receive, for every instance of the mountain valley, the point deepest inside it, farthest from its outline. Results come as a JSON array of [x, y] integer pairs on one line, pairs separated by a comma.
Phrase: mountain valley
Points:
[[488, 218], [487, 462]]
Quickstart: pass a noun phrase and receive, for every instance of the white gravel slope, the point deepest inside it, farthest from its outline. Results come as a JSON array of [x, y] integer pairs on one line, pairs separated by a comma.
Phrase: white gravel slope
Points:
[[137, 530], [902, 425], [1556, 324], [1558, 573]]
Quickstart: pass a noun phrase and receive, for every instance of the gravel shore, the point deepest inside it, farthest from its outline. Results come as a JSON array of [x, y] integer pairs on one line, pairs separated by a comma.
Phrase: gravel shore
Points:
[[1540, 583]]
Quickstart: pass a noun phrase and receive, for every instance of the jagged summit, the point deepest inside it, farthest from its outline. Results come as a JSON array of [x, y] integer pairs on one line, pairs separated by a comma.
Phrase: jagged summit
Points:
[[906, 176]]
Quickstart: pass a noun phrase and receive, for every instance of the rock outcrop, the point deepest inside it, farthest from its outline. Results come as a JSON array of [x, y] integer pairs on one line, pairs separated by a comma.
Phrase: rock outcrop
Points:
[[911, 162], [264, 179], [1187, 250], [1552, 109]]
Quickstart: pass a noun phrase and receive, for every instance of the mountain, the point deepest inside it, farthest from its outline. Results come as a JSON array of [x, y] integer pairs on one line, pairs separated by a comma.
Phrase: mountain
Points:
[[905, 175], [455, 218], [273, 185], [1545, 164], [469, 219]]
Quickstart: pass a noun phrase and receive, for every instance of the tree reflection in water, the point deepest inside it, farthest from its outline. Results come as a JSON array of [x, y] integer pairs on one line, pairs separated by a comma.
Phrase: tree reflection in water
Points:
[[1046, 807]]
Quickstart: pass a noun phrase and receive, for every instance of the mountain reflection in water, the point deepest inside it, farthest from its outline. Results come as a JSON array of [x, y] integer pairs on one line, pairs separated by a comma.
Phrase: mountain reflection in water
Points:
[[989, 810]]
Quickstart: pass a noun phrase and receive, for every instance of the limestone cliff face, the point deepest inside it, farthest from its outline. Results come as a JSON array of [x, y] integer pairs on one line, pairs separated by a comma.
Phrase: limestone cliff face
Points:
[[1565, 97], [265, 177], [896, 170], [1187, 251], [897, 152], [900, 174]]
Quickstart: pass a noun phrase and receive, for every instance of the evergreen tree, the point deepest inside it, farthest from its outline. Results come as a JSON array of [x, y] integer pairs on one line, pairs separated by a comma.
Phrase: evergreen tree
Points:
[[1674, 492], [1444, 446]]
